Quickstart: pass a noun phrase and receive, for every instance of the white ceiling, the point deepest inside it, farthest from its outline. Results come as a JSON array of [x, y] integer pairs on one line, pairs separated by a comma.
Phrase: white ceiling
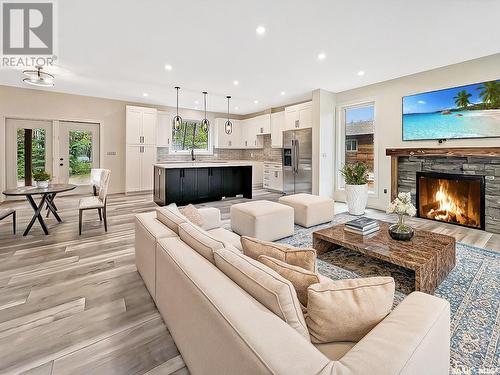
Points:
[[118, 49]]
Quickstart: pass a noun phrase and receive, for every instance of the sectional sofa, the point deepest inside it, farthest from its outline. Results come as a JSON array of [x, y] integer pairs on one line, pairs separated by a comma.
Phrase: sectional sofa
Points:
[[219, 328]]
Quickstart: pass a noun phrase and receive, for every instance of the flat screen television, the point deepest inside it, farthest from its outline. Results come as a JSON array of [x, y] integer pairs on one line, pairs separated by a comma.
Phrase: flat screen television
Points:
[[471, 111]]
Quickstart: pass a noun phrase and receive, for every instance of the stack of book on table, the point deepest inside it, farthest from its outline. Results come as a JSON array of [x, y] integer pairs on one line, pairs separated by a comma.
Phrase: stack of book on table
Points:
[[362, 225]]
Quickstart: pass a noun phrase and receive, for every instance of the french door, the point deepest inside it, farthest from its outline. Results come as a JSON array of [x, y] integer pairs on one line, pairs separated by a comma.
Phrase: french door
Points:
[[78, 152]]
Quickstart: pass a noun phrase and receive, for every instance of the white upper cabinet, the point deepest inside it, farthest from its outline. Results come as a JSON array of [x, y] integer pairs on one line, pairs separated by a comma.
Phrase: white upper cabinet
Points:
[[164, 129], [277, 126], [141, 125], [263, 124], [298, 116], [223, 140]]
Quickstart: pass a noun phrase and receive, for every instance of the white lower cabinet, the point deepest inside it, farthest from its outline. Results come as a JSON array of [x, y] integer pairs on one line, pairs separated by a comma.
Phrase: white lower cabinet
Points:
[[273, 176], [139, 162]]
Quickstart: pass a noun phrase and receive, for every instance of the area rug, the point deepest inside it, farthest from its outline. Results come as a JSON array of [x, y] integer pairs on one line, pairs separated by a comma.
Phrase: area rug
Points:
[[472, 288]]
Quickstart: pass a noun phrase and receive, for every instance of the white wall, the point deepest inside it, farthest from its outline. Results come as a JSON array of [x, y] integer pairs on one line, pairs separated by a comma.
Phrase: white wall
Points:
[[323, 149], [388, 111]]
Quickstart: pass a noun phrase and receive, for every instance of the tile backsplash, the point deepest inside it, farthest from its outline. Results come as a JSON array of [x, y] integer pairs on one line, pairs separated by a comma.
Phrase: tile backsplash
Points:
[[264, 154]]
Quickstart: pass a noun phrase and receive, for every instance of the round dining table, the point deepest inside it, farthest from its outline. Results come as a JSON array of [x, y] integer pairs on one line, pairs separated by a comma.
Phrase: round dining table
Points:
[[48, 195]]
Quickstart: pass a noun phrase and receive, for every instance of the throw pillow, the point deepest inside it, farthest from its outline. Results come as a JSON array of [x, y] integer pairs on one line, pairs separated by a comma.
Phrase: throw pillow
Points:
[[171, 217], [304, 258], [200, 240], [192, 214], [346, 310], [265, 285], [300, 278]]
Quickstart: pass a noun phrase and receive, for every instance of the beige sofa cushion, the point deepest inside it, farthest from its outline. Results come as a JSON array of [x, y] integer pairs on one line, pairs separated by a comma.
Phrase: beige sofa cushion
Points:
[[335, 350], [304, 258], [300, 278], [227, 236], [192, 214], [200, 240], [171, 217], [346, 310], [265, 285]]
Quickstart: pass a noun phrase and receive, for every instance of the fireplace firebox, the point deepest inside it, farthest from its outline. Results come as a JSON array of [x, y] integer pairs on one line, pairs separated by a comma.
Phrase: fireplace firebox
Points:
[[451, 198]]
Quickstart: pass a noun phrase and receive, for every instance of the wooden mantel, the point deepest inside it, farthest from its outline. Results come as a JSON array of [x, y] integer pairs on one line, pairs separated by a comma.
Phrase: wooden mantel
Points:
[[448, 151], [395, 153]]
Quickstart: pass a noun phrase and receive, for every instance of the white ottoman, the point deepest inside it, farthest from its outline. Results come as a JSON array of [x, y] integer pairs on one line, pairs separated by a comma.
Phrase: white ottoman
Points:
[[309, 209], [264, 220]]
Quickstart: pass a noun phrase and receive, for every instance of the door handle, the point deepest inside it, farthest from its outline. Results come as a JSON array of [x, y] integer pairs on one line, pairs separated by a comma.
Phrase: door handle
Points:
[[61, 164], [297, 154], [141, 139]]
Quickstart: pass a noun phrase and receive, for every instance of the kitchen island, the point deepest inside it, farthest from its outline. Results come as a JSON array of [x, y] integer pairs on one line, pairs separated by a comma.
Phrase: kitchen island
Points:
[[195, 182]]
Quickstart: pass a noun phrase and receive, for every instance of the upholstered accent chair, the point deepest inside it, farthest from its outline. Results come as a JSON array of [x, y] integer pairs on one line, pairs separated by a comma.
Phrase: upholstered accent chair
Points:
[[96, 202], [6, 212], [95, 179]]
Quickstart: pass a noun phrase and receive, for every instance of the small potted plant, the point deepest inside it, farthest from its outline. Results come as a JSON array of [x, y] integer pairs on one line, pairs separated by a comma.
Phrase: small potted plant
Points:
[[42, 179], [402, 206], [356, 187]]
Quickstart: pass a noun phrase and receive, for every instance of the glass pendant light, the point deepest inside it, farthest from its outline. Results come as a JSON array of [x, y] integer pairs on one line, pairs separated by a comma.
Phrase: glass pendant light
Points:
[[205, 124], [177, 120], [228, 126]]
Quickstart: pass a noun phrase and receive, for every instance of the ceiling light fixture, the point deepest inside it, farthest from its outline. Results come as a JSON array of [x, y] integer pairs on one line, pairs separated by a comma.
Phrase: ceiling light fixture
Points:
[[168, 67], [256, 101], [321, 56], [177, 120], [236, 83], [145, 94], [261, 30], [236, 108], [283, 93], [361, 73], [38, 77], [205, 124], [228, 126]]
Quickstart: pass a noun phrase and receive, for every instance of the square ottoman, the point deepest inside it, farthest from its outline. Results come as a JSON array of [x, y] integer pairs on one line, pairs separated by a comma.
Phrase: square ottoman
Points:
[[264, 220], [309, 209]]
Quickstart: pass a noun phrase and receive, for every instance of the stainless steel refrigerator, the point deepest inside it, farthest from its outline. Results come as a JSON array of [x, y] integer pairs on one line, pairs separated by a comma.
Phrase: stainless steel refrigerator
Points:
[[297, 161]]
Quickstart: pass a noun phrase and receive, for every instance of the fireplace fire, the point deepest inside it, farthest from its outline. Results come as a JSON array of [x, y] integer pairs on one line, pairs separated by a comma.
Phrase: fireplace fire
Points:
[[451, 198]]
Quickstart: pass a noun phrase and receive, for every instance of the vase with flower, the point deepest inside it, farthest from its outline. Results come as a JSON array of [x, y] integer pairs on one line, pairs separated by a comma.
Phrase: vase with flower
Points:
[[402, 206]]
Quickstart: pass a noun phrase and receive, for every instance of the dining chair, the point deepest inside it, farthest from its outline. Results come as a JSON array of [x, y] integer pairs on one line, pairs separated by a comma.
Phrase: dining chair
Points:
[[95, 179], [6, 212], [96, 202]]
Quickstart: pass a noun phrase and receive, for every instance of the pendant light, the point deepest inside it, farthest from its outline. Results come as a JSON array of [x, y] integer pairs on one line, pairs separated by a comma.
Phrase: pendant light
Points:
[[177, 120], [38, 77], [205, 124], [228, 126]]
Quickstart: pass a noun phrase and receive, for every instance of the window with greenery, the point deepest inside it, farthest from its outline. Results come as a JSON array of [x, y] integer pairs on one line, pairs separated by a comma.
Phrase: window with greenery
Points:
[[190, 136], [37, 150], [359, 126], [80, 156]]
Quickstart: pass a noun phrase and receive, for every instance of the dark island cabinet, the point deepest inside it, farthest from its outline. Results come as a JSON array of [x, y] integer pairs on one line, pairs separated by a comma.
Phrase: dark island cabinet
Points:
[[194, 185]]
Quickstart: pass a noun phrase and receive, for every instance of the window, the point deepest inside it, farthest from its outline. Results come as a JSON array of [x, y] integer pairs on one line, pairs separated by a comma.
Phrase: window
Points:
[[351, 145], [359, 128], [30, 154], [190, 136]]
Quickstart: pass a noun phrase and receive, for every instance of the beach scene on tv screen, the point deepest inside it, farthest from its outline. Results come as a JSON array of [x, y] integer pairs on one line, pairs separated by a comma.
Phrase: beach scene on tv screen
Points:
[[471, 111]]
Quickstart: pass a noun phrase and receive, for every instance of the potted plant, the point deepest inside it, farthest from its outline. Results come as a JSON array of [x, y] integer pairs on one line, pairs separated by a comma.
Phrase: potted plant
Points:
[[402, 206], [41, 178], [356, 187]]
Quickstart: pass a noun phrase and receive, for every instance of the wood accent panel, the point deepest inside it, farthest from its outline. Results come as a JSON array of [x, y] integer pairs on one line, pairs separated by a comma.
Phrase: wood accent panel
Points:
[[394, 177], [455, 151]]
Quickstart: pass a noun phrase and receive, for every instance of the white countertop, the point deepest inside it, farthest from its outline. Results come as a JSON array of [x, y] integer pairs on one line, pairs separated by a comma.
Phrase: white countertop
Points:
[[203, 164]]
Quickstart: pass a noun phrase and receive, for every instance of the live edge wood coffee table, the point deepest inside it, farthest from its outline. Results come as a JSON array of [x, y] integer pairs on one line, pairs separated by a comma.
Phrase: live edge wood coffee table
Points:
[[431, 256]]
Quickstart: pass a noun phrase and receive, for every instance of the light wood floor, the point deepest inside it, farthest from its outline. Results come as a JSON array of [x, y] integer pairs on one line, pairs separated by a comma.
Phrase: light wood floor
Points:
[[72, 305]]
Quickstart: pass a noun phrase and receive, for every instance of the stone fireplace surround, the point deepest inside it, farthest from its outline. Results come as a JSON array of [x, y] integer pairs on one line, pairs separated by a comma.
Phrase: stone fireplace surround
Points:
[[468, 161]]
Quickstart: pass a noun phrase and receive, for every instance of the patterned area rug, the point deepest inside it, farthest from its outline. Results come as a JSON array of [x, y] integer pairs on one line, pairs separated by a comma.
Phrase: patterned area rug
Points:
[[472, 288]]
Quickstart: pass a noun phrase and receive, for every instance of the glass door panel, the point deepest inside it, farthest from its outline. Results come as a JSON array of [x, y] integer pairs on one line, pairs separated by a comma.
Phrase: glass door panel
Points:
[[78, 151]]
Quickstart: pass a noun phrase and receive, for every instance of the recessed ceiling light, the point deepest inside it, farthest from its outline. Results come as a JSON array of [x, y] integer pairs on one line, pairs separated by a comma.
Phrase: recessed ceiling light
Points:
[[195, 107], [321, 56], [196, 102], [361, 73], [261, 30], [235, 108], [236, 83], [256, 101], [283, 93], [168, 67], [145, 94]]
